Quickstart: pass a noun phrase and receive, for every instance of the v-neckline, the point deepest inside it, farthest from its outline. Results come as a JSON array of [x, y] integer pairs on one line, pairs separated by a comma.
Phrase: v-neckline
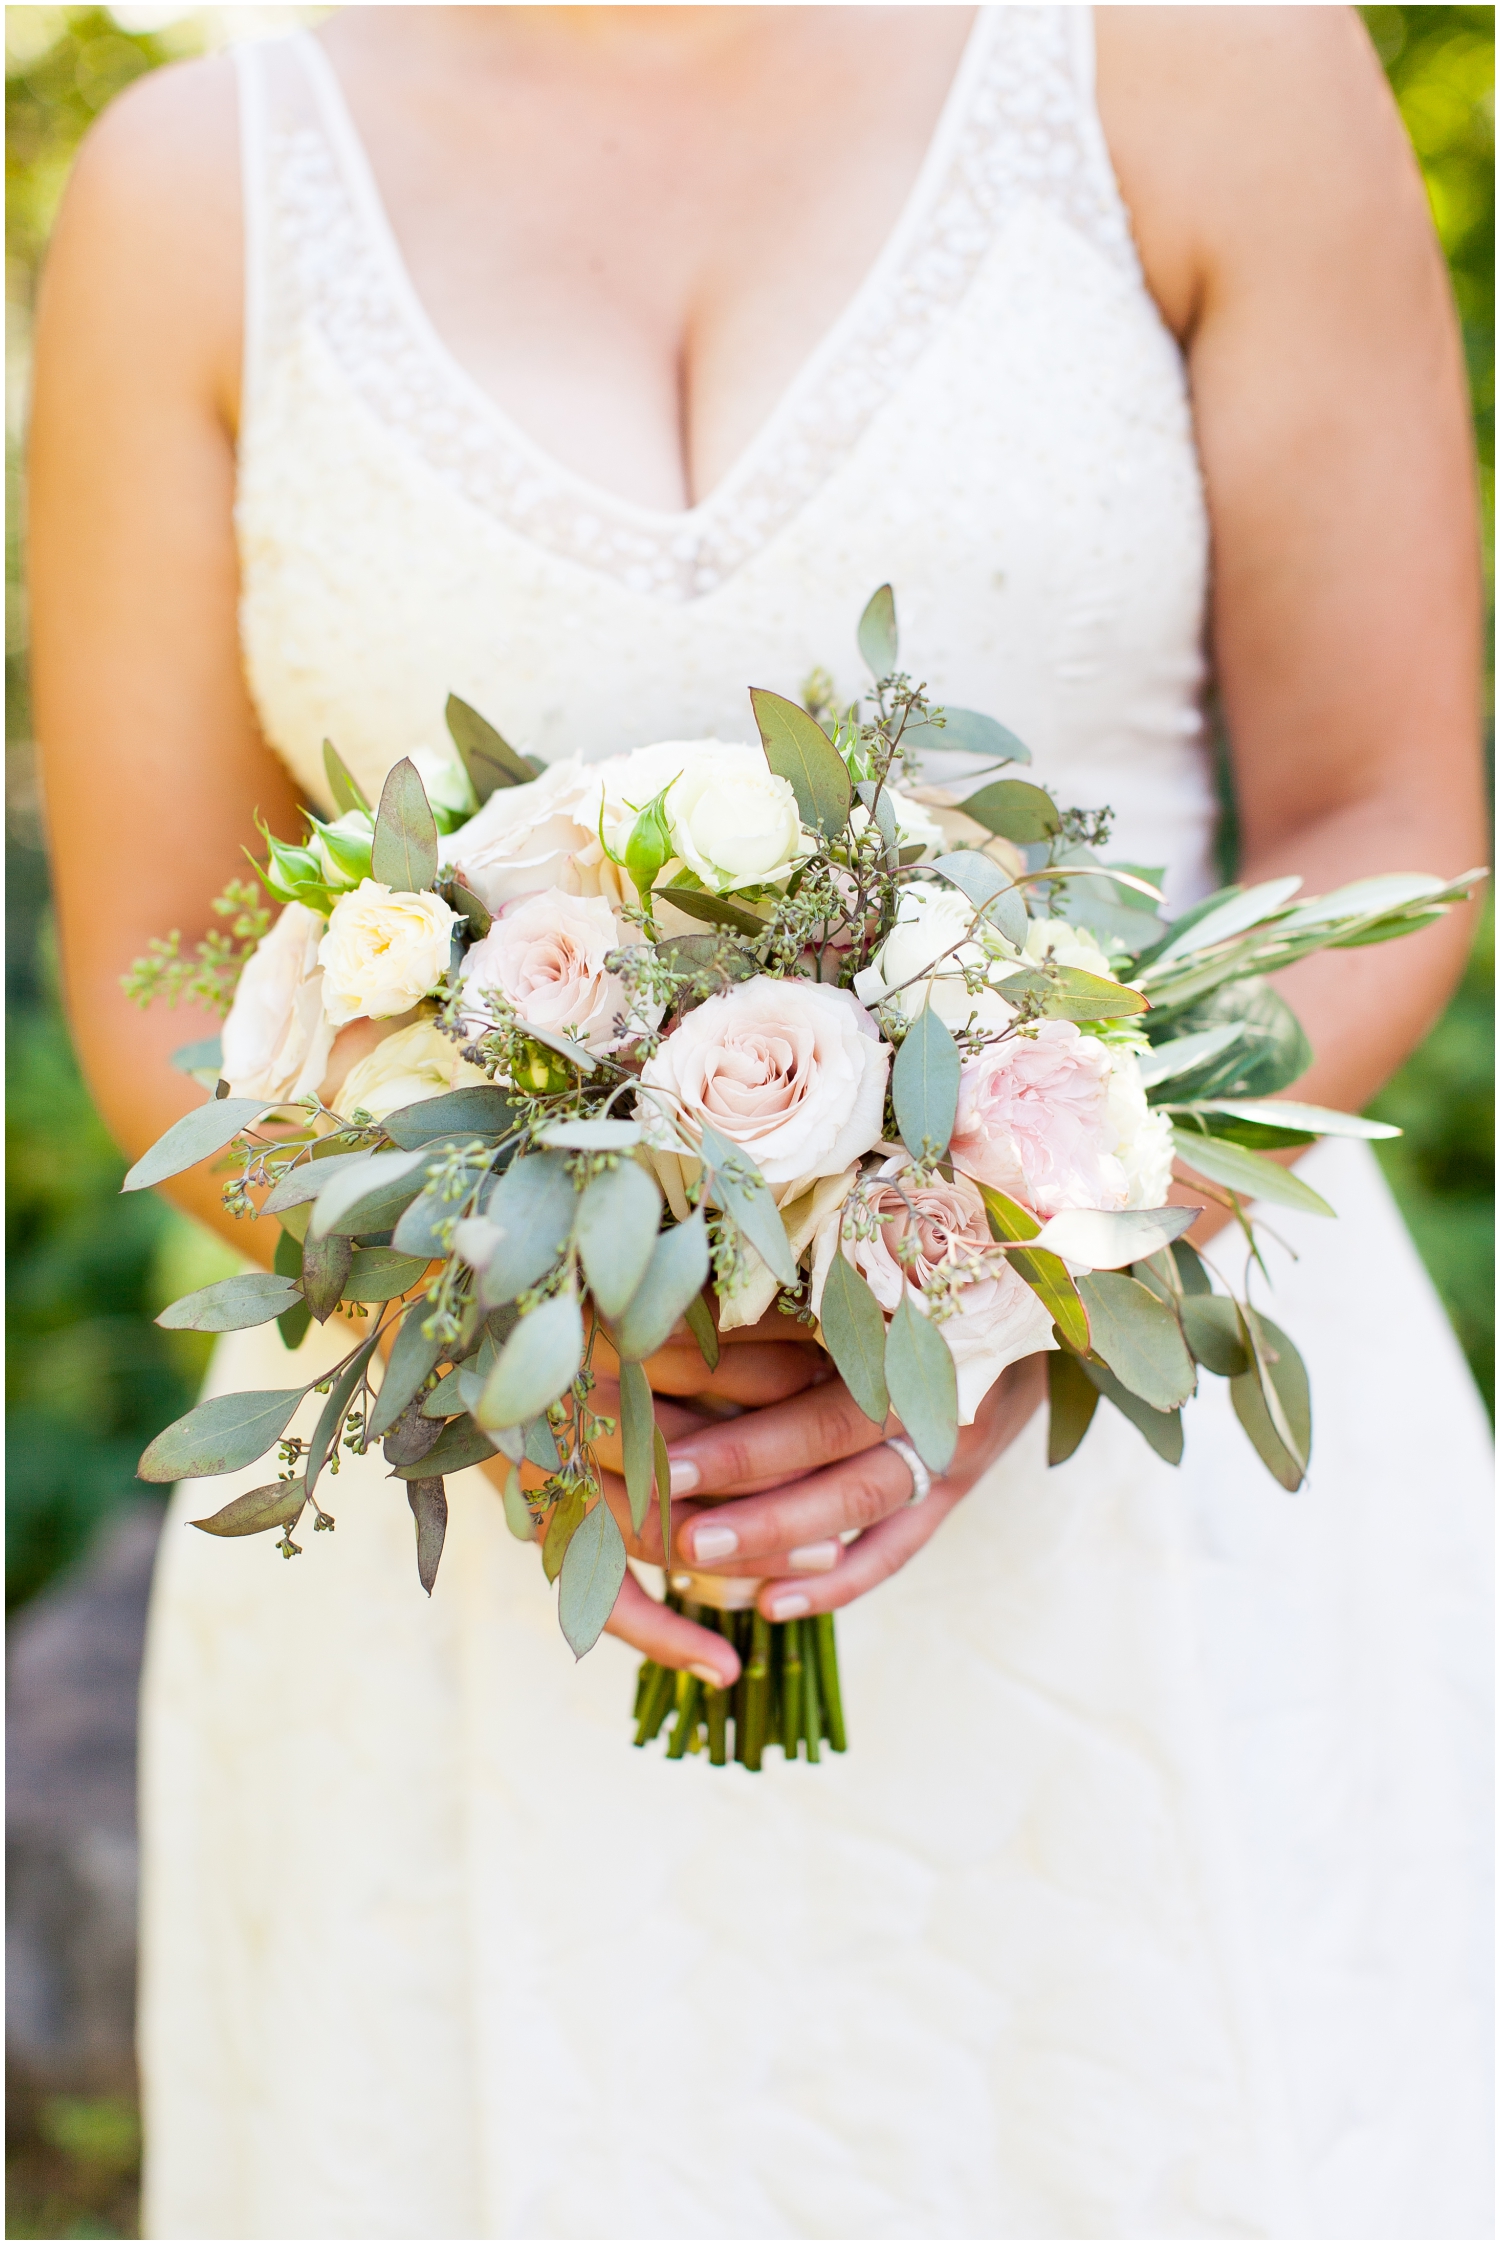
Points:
[[359, 174]]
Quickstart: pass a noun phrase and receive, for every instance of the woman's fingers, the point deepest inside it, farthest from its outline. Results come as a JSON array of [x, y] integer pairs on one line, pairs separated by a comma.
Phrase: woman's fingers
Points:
[[743, 1537], [879, 1553], [671, 1639], [764, 1448], [758, 1364]]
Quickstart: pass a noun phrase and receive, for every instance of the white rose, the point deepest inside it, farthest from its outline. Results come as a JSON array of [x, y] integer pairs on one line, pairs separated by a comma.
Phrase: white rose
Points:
[[916, 828], [934, 919], [278, 1036], [1066, 946], [1143, 1134], [528, 838], [734, 821], [792, 1071], [447, 785], [545, 956], [414, 1063], [998, 1319], [384, 950]]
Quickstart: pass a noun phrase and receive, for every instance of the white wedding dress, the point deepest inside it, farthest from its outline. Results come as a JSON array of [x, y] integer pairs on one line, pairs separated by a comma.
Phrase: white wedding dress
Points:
[[1150, 1899]]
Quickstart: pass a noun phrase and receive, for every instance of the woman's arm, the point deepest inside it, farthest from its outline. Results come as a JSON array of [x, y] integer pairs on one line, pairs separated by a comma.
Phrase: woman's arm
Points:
[[153, 765]]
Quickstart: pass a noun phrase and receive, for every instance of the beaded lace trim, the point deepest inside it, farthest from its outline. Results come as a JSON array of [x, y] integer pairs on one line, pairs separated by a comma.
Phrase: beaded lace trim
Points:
[[1019, 126]]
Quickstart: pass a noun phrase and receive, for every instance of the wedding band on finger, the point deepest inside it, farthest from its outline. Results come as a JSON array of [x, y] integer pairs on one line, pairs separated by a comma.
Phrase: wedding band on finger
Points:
[[921, 1479]]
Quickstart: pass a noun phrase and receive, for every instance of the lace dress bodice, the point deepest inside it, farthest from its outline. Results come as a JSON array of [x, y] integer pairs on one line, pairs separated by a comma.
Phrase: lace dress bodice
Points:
[[997, 423]]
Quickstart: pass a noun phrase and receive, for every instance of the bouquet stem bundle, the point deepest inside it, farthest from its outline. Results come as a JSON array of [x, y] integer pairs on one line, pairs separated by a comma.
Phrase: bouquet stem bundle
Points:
[[788, 1692]]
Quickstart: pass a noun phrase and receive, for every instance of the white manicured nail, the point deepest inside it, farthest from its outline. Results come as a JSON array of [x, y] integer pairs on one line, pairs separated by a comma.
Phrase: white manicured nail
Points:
[[685, 1476], [815, 1558], [709, 1676], [714, 1541], [790, 1606]]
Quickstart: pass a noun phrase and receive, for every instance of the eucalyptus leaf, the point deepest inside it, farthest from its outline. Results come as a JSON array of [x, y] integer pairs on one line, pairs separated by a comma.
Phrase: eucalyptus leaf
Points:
[[325, 1435], [1139, 1338], [1293, 1114], [737, 1185], [663, 1494], [1281, 1370], [985, 884], [1162, 1429], [853, 1327], [460, 1445], [357, 1193], [702, 954], [539, 1444], [192, 1138], [473, 1111], [877, 802], [1016, 809], [1072, 1400], [292, 1324], [1181, 1055], [1270, 1051], [700, 1323], [1248, 909], [326, 1264], [472, 910], [605, 1135], [536, 1365], [1106, 1239], [429, 1510], [278, 1505], [971, 731], [922, 1384], [617, 1221], [304, 1183], [221, 1435], [567, 1518], [345, 789], [1250, 1175], [878, 639], [1212, 1328], [517, 1512], [674, 1276], [379, 1274], [1074, 995], [203, 1059], [1047, 1275], [413, 1357], [721, 911], [637, 1440], [924, 1086], [404, 853], [422, 1225], [487, 756], [593, 1569], [1193, 1277], [577, 1056], [232, 1305], [446, 1400], [533, 1208], [798, 749]]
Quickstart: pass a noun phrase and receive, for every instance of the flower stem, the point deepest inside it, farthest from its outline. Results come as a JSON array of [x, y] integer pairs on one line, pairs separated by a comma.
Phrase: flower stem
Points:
[[812, 1705], [791, 1688], [689, 1697], [757, 1691], [828, 1679]]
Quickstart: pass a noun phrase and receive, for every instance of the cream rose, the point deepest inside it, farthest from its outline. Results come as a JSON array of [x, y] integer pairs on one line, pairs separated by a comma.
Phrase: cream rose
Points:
[[734, 821], [529, 838], [384, 950], [545, 956], [1143, 1135], [278, 1035], [1059, 1120], [933, 929], [1059, 942], [997, 1321], [792, 1071], [414, 1063]]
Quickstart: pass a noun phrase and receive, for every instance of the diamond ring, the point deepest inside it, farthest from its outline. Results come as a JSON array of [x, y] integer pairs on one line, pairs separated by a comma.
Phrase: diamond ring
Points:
[[921, 1479]]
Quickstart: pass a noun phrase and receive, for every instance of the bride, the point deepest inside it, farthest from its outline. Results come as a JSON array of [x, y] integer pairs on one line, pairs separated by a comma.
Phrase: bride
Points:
[[595, 364]]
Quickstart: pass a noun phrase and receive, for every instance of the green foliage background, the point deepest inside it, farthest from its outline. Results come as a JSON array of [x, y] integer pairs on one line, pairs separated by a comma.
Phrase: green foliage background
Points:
[[89, 1377]]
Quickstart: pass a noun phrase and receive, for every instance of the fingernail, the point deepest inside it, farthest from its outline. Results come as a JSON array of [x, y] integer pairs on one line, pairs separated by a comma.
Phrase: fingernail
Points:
[[685, 1476], [714, 1542], [790, 1606], [815, 1558], [709, 1676]]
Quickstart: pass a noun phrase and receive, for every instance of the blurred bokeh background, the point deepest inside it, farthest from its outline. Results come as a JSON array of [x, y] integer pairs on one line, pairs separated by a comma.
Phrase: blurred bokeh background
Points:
[[90, 1379]]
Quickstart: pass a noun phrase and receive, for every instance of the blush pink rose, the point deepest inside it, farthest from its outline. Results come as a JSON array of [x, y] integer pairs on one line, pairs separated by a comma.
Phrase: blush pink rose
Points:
[[1035, 1119], [278, 1035], [545, 955], [792, 1071]]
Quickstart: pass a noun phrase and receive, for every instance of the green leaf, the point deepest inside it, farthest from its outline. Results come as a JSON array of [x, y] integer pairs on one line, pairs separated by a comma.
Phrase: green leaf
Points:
[[278, 1505], [517, 1513], [970, 730], [984, 884], [676, 1273], [1138, 1338], [702, 954], [853, 1326], [700, 1323], [192, 1138], [221, 1435], [325, 1437], [922, 1383], [1248, 1174], [1267, 900], [1106, 1239], [536, 1365], [204, 1057], [362, 1186], [567, 1518], [1292, 1115], [1162, 1429], [1016, 809], [345, 789], [924, 1086], [540, 1444], [1212, 1328], [616, 1229], [1046, 1275], [413, 1436], [1279, 1370], [292, 1324], [445, 1401], [1074, 995], [534, 1208], [799, 750], [1270, 1052], [1190, 1271], [325, 1268], [605, 1135], [475, 1111], [487, 756], [637, 1439], [721, 911], [429, 1509], [735, 1182], [413, 1356], [1072, 1400], [1180, 1056], [879, 642], [472, 910], [460, 1445], [663, 1494], [593, 1569], [404, 854], [233, 1304], [418, 1231], [379, 1274]]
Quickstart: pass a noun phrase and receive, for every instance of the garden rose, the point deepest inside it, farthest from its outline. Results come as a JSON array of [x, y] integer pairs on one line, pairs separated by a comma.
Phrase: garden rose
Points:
[[998, 1319], [734, 821], [527, 838], [932, 920], [384, 950], [1051, 1118], [278, 1035], [794, 1072], [545, 955], [417, 1062]]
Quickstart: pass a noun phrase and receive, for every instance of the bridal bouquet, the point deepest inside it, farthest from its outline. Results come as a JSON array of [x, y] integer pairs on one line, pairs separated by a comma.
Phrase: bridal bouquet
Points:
[[710, 1027]]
